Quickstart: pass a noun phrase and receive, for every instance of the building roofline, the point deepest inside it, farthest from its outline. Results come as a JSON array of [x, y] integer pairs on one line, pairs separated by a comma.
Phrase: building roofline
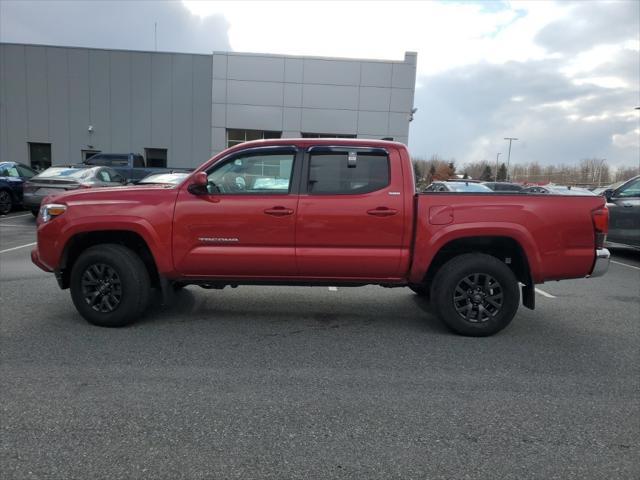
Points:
[[75, 47], [407, 55], [317, 57]]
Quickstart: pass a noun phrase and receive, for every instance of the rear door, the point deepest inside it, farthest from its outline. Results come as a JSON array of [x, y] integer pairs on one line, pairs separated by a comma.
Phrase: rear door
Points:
[[245, 225], [350, 220]]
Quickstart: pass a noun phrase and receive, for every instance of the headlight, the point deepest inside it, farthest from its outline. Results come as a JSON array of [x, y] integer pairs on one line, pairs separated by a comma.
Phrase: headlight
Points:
[[51, 210]]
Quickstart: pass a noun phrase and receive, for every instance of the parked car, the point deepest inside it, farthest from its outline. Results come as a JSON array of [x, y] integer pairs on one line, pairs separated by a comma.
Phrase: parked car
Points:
[[56, 180], [172, 178], [12, 178], [316, 212], [130, 165], [557, 190], [504, 186], [613, 186], [623, 203], [458, 186]]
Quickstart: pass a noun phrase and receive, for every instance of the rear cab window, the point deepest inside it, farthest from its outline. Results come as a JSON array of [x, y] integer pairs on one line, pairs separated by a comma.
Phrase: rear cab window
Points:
[[347, 172]]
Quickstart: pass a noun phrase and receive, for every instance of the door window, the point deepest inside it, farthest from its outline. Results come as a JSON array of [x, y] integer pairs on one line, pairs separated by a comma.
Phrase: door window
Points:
[[631, 190], [253, 174], [339, 173]]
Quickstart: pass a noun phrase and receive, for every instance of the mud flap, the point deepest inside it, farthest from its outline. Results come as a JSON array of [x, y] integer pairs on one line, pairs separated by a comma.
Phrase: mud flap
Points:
[[529, 296]]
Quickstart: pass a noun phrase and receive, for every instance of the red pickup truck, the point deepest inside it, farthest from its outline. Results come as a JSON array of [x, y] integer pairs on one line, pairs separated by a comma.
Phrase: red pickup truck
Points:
[[317, 212]]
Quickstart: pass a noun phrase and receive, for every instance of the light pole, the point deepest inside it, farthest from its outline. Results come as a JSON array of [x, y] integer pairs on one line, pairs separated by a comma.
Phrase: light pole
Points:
[[511, 139], [497, 157]]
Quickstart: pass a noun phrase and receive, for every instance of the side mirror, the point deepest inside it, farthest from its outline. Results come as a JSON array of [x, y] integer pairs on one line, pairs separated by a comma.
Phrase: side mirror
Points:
[[198, 185], [608, 194]]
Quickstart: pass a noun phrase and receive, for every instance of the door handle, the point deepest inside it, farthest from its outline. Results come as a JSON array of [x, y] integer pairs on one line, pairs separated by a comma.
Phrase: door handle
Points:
[[382, 212], [627, 205], [279, 211]]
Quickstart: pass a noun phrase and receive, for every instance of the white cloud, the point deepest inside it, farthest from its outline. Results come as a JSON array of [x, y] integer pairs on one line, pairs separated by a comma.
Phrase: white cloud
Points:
[[445, 35]]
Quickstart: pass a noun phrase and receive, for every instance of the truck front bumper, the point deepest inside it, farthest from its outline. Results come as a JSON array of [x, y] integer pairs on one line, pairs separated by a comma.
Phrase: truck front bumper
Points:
[[601, 265]]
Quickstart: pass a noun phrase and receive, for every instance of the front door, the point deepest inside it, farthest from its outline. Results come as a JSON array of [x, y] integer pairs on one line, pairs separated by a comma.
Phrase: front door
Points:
[[244, 226], [351, 217]]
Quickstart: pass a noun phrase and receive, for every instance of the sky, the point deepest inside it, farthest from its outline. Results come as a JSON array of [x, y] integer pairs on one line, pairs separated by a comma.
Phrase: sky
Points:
[[562, 77]]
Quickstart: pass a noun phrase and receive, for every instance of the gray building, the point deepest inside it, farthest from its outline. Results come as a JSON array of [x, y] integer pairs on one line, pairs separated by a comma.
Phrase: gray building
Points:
[[60, 105]]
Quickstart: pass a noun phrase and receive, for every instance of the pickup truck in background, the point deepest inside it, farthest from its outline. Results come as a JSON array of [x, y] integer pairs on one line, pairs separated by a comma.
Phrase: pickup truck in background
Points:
[[317, 212], [130, 165]]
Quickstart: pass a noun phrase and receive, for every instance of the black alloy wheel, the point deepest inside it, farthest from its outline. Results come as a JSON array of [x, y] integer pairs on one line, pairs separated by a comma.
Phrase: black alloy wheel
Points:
[[478, 297], [101, 287]]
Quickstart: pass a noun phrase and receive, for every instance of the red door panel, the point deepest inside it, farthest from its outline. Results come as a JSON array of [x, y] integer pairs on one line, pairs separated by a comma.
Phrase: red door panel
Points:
[[235, 236]]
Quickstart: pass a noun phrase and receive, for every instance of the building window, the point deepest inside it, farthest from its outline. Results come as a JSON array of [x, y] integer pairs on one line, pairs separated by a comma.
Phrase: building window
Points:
[[40, 156], [156, 157], [236, 136], [326, 135], [87, 154]]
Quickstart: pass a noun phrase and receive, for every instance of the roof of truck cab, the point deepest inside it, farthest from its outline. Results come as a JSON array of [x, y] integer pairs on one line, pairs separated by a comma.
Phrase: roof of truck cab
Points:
[[306, 142]]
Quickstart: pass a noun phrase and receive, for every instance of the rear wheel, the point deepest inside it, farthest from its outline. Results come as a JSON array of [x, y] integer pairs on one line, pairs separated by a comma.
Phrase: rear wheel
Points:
[[110, 285], [475, 294], [6, 202]]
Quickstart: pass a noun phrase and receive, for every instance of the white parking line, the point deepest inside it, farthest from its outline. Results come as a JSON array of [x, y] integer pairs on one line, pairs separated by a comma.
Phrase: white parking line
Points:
[[625, 264], [12, 225], [333, 289], [16, 248], [544, 294], [16, 216]]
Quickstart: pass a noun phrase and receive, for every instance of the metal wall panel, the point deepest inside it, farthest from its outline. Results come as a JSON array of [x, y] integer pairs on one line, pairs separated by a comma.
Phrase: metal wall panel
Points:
[[182, 110], [373, 123], [161, 79], [79, 103], [120, 101], [201, 129], [58, 91], [15, 103], [330, 96], [331, 72], [37, 95], [319, 120], [250, 67], [99, 93], [141, 80], [255, 93], [375, 99]]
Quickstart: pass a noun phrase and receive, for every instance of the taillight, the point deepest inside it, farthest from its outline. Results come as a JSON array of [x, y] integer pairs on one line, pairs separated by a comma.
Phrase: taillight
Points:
[[600, 218]]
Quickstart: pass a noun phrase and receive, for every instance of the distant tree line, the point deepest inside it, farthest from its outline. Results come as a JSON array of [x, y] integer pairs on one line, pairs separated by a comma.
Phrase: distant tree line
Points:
[[589, 171]]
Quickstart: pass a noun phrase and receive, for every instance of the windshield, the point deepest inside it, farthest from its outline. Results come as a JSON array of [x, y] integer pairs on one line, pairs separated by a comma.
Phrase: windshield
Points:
[[66, 172]]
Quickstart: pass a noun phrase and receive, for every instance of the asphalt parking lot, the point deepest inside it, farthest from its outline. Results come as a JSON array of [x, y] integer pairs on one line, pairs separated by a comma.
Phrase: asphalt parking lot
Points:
[[285, 382]]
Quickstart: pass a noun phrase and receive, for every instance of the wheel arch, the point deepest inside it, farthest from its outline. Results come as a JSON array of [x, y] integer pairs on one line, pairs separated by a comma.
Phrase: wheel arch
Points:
[[80, 242], [504, 248]]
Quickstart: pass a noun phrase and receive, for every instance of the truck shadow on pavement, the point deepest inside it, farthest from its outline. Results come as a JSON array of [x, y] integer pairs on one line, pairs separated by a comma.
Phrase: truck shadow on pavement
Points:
[[316, 310]]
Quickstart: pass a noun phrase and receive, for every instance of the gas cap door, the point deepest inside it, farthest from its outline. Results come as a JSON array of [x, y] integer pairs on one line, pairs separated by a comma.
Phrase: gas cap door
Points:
[[440, 215]]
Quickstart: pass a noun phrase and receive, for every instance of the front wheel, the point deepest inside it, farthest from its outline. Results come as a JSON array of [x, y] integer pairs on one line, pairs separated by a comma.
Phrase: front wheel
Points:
[[475, 294], [110, 285]]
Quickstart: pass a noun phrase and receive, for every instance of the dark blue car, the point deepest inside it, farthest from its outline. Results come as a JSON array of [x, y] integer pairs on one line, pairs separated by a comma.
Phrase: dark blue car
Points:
[[12, 177]]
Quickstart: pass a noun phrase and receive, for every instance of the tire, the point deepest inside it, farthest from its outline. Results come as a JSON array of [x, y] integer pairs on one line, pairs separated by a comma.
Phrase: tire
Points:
[[35, 211], [6, 202], [475, 294], [124, 281]]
